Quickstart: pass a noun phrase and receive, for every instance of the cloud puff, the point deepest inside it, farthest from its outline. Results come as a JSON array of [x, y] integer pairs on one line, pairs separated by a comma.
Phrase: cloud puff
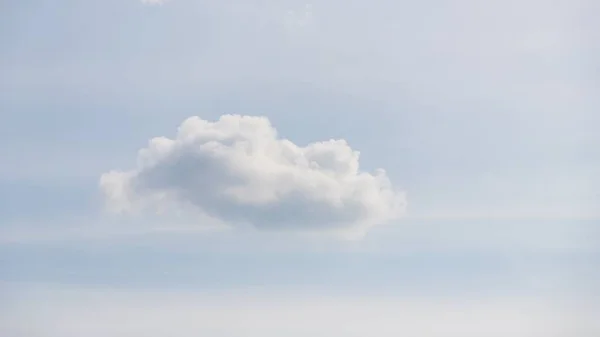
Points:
[[295, 20], [154, 2], [238, 170]]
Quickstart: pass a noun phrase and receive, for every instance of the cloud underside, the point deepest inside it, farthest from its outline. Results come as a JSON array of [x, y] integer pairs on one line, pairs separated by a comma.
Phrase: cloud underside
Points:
[[239, 171]]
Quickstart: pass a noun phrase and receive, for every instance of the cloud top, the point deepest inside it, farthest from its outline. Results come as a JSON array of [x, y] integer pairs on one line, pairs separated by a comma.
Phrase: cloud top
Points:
[[238, 170], [154, 2]]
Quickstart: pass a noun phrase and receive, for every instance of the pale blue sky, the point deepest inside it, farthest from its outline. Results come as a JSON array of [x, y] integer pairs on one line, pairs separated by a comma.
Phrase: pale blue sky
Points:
[[484, 113]]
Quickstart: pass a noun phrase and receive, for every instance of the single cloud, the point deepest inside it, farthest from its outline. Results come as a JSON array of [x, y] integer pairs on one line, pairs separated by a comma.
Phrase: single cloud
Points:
[[295, 20], [154, 2], [238, 170]]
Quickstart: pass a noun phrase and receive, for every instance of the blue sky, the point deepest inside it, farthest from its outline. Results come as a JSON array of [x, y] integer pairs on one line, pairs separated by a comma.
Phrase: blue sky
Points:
[[483, 116]]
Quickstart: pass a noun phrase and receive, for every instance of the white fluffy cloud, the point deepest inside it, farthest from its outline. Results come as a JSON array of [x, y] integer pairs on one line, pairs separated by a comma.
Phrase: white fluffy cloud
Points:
[[154, 2], [238, 170]]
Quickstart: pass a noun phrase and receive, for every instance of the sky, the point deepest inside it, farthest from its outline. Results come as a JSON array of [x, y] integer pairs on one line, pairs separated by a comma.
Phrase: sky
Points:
[[267, 168]]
